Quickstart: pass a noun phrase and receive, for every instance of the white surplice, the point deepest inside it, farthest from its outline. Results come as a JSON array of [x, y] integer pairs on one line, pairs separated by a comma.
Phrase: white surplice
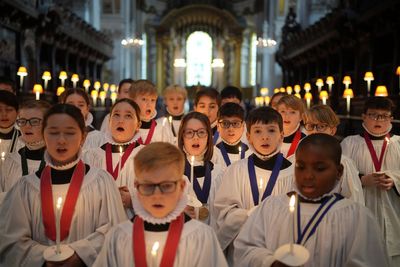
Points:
[[347, 236], [385, 205], [22, 232]]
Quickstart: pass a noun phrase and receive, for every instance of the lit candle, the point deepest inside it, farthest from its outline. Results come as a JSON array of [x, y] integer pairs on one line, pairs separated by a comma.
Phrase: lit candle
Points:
[[260, 187], [103, 95], [58, 212], [120, 162], [154, 251], [3, 156], [348, 94], [94, 95], [292, 204], [240, 151], [191, 169]]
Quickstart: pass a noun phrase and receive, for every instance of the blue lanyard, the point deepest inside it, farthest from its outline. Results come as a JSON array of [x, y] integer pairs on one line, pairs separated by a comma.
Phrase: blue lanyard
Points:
[[201, 193], [225, 154]]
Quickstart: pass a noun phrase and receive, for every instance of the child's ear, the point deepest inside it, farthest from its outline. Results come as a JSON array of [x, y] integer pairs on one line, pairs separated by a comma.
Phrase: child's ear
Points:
[[340, 171], [333, 130]]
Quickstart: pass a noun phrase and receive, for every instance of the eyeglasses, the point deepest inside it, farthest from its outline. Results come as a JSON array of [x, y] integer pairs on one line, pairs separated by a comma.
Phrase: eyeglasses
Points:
[[226, 124], [164, 187], [379, 117], [189, 134], [32, 122], [318, 127]]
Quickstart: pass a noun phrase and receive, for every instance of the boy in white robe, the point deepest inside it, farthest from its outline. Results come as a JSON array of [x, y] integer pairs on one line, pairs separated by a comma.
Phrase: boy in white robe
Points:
[[341, 236], [144, 93], [28, 158], [248, 181], [231, 128], [322, 119], [174, 99], [376, 153], [90, 205], [159, 201]]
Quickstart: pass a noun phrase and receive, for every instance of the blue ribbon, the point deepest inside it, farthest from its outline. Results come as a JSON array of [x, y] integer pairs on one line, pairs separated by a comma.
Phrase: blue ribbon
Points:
[[215, 137], [225, 154], [271, 181], [201, 193]]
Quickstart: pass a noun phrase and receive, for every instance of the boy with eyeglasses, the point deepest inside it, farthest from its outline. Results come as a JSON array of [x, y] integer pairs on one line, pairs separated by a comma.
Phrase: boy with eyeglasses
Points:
[[160, 234], [231, 128], [247, 182], [29, 158], [376, 153]]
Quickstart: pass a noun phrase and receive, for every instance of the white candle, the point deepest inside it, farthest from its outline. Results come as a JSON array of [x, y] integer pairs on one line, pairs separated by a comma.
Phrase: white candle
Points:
[[260, 187], [3, 156], [191, 169], [120, 162], [170, 122], [240, 151], [323, 100], [154, 251], [58, 212], [308, 102], [292, 204], [348, 105], [37, 95], [369, 87], [163, 129]]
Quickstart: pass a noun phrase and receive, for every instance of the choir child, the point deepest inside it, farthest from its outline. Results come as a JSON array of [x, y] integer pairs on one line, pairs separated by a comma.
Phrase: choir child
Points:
[[231, 94], [195, 140], [9, 135], [144, 93], [275, 99], [116, 154], [90, 203], [231, 129], [29, 158], [247, 182], [160, 234], [376, 152], [124, 87], [174, 99], [207, 101], [335, 230], [322, 119], [80, 99], [291, 108]]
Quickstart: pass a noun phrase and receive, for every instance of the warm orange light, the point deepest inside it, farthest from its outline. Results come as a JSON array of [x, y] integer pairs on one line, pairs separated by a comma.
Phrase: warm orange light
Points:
[[113, 88], [348, 93], [106, 86], [63, 75], [75, 77], [398, 71], [37, 88], [330, 80], [22, 71], [103, 94], [276, 90], [297, 95], [308, 96], [267, 99], [323, 94], [289, 90], [282, 90], [46, 76], [86, 83], [264, 91], [319, 83], [297, 88], [346, 80], [307, 87], [97, 85], [60, 90], [94, 93], [381, 90], [369, 76]]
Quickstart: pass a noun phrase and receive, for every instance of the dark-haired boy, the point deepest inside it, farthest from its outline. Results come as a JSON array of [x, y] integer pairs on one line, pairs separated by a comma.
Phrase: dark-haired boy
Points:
[[376, 153], [249, 181], [231, 128], [342, 235], [231, 94]]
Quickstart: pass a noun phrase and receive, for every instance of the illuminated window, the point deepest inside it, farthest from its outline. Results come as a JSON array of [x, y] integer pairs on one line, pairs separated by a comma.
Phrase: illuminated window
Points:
[[253, 60], [144, 57], [198, 59]]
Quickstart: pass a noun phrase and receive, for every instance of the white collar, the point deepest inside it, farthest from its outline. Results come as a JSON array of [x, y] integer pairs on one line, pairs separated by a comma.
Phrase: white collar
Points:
[[146, 216], [152, 117], [6, 130], [183, 111], [231, 144], [198, 158], [297, 127], [336, 189], [264, 157], [35, 145], [89, 119], [110, 139], [66, 166], [377, 135]]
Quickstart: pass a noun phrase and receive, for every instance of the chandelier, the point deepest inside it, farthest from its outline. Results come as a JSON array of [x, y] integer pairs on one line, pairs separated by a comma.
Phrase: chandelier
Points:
[[262, 42], [132, 42]]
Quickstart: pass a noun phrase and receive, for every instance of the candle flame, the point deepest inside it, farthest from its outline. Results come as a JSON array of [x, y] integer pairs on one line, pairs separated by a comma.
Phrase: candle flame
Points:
[[386, 138], [261, 184], [154, 248], [3, 155], [292, 202], [164, 121], [120, 150], [170, 119], [240, 149], [59, 201], [192, 160]]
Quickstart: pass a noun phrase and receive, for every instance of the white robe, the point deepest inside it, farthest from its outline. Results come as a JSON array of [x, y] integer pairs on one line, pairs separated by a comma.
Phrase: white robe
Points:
[[11, 171], [234, 198], [385, 205], [22, 232], [216, 177], [198, 246], [94, 139], [105, 124], [347, 236], [161, 134], [167, 131], [350, 182], [232, 157]]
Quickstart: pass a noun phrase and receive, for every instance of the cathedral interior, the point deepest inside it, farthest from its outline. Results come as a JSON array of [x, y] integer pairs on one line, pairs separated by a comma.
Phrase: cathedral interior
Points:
[[317, 49]]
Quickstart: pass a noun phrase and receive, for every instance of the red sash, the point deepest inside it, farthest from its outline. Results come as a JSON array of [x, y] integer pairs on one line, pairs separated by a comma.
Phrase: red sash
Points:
[[294, 144], [124, 157], [372, 152], [170, 248], [46, 195], [149, 135]]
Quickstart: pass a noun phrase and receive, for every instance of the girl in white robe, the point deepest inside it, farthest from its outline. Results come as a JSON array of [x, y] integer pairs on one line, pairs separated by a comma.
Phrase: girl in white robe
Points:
[[195, 140], [247, 182], [122, 147], [27, 225], [291, 108], [341, 235], [28, 158], [81, 100], [322, 119], [160, 214]]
